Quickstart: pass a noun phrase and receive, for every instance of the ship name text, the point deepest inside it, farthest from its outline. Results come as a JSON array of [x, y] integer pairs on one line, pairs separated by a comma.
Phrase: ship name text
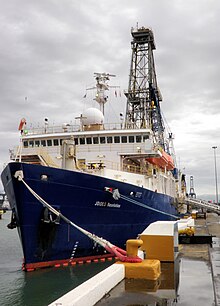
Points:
[[107, 204]]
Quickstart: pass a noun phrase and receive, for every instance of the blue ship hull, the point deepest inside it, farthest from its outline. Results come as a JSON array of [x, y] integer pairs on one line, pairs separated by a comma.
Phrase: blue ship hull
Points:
[[82, 198]]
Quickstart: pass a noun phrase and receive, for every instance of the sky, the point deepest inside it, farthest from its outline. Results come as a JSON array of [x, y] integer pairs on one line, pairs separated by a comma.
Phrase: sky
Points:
[[50, 50]]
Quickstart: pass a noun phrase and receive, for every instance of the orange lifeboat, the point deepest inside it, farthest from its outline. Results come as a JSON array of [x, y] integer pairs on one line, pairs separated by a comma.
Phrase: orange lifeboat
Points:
[[163, 161], [171, 165]]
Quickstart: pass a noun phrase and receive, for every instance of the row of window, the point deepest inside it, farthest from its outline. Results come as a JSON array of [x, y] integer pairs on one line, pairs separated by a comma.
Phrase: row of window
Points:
[[43, 143], [88, 140], [110, 139]]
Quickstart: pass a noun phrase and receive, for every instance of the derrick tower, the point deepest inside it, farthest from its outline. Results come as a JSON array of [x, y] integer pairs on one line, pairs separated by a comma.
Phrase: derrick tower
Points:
[[143, 95]]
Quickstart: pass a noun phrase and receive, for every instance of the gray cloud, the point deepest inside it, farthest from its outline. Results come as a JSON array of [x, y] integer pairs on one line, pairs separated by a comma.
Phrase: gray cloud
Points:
[[50, 49]]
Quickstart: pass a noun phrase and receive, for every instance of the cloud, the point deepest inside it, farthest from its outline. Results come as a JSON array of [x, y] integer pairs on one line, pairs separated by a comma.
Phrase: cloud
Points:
[[50, 50]]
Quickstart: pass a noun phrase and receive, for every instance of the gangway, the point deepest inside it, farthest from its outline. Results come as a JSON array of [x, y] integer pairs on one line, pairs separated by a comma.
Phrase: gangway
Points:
[[203, 204]]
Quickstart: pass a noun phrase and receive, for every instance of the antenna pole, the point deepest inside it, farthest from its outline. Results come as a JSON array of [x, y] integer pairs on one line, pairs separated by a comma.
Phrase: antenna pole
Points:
[[101, 87]]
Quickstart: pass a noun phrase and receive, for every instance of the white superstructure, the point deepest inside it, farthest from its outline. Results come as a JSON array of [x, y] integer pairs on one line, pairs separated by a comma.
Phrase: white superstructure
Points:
[[130, 155]]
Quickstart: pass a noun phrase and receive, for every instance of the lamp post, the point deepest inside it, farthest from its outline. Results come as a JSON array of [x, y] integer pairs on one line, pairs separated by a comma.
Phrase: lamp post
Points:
[[216, 180]]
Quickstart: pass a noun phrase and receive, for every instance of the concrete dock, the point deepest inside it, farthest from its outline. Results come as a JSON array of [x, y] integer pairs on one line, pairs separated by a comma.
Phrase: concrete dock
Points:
[[194, 280]]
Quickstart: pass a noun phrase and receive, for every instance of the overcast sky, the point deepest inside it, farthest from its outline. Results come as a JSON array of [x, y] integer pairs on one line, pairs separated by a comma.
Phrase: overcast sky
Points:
[[50, 49]]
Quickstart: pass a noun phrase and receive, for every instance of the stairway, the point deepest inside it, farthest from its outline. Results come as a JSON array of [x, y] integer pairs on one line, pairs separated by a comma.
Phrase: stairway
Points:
[[39, 157]]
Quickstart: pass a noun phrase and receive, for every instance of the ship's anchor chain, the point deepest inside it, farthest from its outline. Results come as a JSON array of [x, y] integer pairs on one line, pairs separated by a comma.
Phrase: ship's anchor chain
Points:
[[116, 195], [108, 246]]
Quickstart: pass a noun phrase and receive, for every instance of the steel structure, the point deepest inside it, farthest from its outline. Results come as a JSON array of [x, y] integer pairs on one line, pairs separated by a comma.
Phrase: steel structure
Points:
[[101, 88], [216, 176], [192, 193], [143, 95]]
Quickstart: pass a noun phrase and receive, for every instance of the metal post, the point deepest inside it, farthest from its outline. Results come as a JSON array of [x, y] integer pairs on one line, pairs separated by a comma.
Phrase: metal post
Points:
[[216, 179]]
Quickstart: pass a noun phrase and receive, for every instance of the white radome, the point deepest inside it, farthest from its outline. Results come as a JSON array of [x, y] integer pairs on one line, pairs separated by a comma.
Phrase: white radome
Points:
[[92, 116]]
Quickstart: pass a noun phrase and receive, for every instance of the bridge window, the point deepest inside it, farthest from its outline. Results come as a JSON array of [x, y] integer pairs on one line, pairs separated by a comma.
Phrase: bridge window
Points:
[[25, 144], [95, 140], [124, 139], [37, 143], [116, 139], [138, 138], [49, 142], [31, 143], [76, 141], [88, 140], [56, 142], [131, 139], [82, 141], [109, 139], [43, 143], [102, 139]]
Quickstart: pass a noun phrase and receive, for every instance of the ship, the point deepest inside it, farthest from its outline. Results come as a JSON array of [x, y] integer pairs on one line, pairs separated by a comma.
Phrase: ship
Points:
[[112, 180]]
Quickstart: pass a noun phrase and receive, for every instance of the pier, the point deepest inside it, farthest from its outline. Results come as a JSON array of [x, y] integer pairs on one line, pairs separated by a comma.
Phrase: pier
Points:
[[2, 207], [193, 279], [194, 282]]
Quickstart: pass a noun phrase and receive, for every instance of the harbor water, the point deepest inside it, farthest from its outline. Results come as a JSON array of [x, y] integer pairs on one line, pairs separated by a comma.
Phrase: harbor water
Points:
[[36, 288], [190, 284]]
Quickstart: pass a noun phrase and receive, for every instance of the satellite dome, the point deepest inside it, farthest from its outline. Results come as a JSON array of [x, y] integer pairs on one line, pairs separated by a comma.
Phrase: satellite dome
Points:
[[92, 116]]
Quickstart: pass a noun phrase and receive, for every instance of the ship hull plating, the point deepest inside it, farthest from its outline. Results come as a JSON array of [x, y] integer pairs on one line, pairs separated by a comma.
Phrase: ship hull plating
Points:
[[81, 197]]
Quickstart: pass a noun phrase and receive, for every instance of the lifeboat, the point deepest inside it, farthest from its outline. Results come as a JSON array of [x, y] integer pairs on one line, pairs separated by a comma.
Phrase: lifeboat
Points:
[[163, 161], [171, 165]]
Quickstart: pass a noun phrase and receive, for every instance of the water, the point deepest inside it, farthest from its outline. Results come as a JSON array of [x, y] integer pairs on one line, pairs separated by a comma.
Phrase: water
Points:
[[36, 288], [42, 287]]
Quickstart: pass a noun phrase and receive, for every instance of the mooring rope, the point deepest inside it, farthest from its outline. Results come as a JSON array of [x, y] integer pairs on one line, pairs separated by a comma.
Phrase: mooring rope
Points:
[[115, 191], [108, 246]]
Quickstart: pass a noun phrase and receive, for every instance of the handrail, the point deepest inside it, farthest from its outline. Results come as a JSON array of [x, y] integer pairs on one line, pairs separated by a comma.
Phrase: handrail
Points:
[[203, 204], [68, 128]]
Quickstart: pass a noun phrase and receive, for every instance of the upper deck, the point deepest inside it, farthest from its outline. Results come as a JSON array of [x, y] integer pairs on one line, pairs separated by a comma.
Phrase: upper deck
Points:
[[109, 135]]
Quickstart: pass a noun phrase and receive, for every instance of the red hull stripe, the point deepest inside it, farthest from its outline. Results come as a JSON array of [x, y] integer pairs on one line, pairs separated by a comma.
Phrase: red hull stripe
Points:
[[65, 262]]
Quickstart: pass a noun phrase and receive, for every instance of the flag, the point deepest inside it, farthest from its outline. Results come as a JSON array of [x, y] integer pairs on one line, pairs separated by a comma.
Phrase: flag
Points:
[[22, 124]]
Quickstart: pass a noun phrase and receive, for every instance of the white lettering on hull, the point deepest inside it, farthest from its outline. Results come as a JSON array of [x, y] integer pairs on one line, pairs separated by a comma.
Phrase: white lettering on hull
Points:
[[107, 204]]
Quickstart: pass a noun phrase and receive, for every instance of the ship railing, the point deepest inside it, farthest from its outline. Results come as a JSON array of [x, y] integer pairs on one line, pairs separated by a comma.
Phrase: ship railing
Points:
[[14, 153], [51, 129], [134, 169], [47, 158], [203, 204], [67, 128], [129, 148], [99, 164]]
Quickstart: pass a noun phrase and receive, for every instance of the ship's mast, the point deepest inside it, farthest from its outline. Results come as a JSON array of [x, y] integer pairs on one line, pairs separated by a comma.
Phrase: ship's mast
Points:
[[101, 88], [143, 95]]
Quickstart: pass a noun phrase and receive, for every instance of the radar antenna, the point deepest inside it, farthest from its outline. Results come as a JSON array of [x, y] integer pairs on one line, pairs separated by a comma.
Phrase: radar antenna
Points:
[[101, 87]]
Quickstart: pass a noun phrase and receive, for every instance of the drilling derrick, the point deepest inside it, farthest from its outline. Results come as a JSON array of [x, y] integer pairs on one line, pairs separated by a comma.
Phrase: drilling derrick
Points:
[[143, 95]]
